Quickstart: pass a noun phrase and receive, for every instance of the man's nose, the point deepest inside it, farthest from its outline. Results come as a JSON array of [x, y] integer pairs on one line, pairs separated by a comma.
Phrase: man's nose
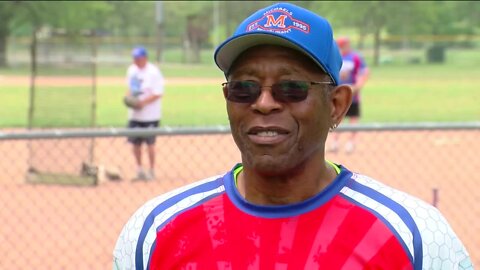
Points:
[[266, 103]]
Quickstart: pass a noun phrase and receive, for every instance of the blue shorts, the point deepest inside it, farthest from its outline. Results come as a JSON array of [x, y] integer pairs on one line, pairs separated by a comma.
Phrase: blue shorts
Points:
[[354, 110], [150, 140]]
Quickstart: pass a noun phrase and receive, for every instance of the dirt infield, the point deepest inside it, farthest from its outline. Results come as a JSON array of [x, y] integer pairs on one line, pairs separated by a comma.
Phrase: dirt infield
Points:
[[64, 227]]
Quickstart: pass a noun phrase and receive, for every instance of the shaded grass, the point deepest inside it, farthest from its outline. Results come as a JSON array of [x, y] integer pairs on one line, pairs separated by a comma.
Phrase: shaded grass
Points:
[[422, 93], [182, 106], [14, 109], [395, 93]]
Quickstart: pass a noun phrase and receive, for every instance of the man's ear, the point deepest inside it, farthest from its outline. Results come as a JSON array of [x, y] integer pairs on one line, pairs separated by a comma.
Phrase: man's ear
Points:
[[341, 99]]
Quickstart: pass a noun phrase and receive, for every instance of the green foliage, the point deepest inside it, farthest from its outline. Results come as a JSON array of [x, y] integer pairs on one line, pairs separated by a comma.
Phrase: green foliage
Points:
[[403, 17], [176, 13], [127, 18], [137, 18], [7, 12], [69, 15]]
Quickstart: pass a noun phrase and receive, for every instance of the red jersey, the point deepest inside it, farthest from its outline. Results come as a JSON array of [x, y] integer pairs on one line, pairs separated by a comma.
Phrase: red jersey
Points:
[[352, 66], [355, 223]]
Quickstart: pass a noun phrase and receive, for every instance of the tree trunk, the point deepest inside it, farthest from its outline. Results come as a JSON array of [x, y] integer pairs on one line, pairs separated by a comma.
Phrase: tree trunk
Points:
[[33, 75], [363, 33], [195, 51], [361, 40], [376, 47], [3, 45], [228, 25], [186, 49], [159, 47]]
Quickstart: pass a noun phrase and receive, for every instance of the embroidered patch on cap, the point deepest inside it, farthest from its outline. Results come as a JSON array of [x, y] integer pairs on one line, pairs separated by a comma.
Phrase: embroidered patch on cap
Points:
[[279, 20]]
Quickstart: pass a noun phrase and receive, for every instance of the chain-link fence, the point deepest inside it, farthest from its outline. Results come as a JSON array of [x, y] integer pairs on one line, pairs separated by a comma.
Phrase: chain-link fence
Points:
[[61, 212]]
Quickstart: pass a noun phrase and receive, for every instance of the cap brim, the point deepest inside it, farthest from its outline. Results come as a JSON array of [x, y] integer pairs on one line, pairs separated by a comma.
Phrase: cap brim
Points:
[[228, 51]]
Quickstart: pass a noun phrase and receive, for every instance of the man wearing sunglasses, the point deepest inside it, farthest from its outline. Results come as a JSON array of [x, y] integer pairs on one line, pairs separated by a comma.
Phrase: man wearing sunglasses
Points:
[[285, 206]]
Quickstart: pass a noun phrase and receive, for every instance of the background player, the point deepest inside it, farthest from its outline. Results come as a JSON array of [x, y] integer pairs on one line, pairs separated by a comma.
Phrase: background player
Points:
[[285, 206], [145, 81], [355, 73]]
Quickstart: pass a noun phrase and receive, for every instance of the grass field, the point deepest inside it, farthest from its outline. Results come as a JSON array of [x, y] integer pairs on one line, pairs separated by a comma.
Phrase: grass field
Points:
[[395, 93]]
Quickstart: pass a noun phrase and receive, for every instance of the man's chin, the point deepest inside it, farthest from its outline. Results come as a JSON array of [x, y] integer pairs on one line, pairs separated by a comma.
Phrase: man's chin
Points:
[[271, 166]]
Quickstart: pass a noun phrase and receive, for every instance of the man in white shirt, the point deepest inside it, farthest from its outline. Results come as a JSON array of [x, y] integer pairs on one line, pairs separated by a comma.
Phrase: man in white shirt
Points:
[[146, 83]]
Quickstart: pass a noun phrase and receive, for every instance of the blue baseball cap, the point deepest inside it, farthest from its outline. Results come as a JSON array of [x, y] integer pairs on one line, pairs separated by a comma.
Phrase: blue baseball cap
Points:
[[138, 52], [285, 25]]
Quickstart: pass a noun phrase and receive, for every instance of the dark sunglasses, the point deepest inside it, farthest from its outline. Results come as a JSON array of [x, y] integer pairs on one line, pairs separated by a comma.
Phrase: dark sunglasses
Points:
[[283, 91]]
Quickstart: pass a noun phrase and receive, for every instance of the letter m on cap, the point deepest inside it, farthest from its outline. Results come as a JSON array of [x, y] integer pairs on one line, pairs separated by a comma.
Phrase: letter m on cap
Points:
[[279, 22]]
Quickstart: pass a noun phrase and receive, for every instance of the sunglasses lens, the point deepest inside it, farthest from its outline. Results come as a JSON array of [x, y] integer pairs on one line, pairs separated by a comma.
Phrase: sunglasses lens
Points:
[[290, 91], [242, 91], [249, 91]]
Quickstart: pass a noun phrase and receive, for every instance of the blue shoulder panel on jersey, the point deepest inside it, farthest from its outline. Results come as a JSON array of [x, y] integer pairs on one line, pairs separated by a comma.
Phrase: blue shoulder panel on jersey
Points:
[[149, 220], [401, 212], [152, 248], [385, 221]]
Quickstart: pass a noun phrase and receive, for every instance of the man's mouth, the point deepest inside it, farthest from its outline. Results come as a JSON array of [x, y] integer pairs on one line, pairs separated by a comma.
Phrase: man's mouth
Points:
[[267, 135]]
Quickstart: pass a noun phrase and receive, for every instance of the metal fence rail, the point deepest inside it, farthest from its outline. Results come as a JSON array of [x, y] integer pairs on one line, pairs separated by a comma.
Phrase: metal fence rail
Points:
[[220, 129], [74, 225]]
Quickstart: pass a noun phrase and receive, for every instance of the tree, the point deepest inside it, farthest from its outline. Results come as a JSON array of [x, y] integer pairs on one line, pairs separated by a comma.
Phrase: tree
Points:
[[368, 17], [70, 16], [7, 11], [131, 18], [188, 24], [469, 19]]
